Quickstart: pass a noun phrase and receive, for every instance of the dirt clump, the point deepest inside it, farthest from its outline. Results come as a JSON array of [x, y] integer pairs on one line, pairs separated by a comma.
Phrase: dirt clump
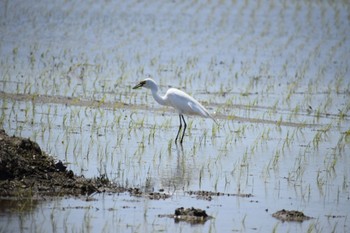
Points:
[[25, 170], [290, 215], [190, 215]]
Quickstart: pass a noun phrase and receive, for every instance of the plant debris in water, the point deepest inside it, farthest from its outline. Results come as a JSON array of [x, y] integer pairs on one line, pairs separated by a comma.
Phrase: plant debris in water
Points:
[[190, 215], [25, 170], [290, 215], [152, 195], [207, 195]]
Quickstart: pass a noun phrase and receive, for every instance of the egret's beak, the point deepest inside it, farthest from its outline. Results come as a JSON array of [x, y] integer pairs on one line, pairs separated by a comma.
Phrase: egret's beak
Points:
[[139, 85]]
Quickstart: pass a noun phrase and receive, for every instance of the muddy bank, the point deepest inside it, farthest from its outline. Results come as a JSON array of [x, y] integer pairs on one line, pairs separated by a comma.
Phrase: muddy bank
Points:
[[27, 171]]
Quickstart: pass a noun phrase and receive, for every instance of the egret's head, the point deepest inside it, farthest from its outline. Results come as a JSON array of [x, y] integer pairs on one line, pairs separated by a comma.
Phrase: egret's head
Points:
[[140, 84], [147, 83]]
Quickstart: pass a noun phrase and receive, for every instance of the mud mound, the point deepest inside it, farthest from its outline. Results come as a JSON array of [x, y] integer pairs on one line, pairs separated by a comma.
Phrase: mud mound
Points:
[[290, 215], [25, 170], [190, 215]]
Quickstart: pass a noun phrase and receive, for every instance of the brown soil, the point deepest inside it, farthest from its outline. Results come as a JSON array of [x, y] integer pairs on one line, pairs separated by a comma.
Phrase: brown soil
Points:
[[27, 171]]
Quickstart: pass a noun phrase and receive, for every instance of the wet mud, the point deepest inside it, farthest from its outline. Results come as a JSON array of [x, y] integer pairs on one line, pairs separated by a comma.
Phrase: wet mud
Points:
[[190, 215], [27, 171], [290, 216]]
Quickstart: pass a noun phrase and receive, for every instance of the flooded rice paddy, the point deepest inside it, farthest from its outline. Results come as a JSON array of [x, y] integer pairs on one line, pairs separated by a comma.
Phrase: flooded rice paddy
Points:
[[274, 74]]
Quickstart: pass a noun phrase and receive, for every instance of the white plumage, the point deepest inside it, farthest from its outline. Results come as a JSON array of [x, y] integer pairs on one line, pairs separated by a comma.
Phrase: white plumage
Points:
[[181, 101]]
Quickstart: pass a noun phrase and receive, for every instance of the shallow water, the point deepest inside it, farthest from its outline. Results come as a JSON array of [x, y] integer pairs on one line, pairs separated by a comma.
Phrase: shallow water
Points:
[[275, 76]]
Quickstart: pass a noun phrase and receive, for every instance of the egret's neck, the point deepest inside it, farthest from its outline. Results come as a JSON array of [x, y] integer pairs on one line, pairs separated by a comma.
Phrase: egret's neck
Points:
[[160, 99]]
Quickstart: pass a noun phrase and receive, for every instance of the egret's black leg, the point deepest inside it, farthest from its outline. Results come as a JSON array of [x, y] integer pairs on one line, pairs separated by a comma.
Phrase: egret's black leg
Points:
[[178, 132], [183, 133]]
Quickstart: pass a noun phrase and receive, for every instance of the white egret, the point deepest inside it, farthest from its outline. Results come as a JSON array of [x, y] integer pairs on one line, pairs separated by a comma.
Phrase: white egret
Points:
[[182, 102]]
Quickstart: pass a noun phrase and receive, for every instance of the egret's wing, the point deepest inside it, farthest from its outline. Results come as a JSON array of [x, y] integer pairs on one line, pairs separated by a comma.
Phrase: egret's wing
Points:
[[200, 110], [186, 104]]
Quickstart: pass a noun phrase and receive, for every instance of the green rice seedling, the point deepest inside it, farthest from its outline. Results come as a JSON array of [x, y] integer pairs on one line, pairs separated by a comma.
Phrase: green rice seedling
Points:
[[214, 130], [334, 228], [66, 149], [311, 228], [120, 136], [241, 131], [53, 220], [194, 148], [274, 107], [81, 127], [339, 83], [3, 110], [27, 88], [117, 120], [274, 229], [216, 184], [320, 135], [320, 182], [343, 140], [141, 122], [342, 116], [15, 53], [170, 143], [203, 139], [291, 89], [318, 114], [286, 141], [87, 220], [305, 191], [328, 102], [32, 59], [229, 102], [141, 147], [227, 181], [332, 162], [64, 121], [295, 111], [228, 140], [130, 128], [243, 221], [143, 138], [265, 136], [33, 110], [200, 177], [245, 156], [299, 166], [254, 146], [276, 159], [278, 123]]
